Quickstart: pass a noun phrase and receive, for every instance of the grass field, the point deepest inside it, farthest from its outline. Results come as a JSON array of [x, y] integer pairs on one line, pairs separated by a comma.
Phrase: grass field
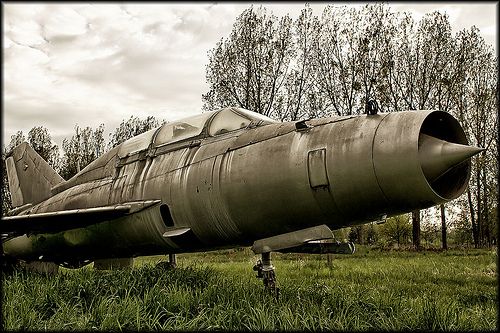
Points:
[[370, 290]]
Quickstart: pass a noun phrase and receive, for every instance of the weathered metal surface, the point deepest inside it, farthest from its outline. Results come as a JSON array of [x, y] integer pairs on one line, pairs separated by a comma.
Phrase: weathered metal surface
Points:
[[396, 157], [291, 239], [136, 144], [438, 156], [139, 232], [316, 168], [70, 219], [322, 247], [100, 169], [14, 185], [229, 186], [24, 170]]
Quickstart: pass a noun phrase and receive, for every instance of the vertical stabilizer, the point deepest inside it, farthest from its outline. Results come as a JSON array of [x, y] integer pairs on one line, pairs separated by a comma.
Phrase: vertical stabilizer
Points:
[[30, 176]]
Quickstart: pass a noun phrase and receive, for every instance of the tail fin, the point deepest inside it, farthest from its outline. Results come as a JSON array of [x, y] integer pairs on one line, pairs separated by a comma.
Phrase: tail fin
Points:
[[30, 177]]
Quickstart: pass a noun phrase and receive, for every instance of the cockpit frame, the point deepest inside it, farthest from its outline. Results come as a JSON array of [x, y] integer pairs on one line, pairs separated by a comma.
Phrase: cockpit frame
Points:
[[146, 144]]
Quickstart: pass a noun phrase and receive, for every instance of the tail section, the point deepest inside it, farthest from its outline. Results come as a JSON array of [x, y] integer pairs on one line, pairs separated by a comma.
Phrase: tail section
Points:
[[30, 177]]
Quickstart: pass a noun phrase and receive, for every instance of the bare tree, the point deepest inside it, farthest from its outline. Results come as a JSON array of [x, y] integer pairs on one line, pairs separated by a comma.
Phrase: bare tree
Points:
[[249, 67], [335, 58], [130, 128], [375, 53], [475, 104], [298, 98]]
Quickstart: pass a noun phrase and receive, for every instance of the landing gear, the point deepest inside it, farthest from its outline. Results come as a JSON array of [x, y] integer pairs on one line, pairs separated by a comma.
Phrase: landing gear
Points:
[[265, 271], [172, 260], [170, 264]]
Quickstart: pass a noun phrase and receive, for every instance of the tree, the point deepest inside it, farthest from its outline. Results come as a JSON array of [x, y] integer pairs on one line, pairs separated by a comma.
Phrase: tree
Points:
[[41, 141], [83, 147], [357, 234], [375, 52], [429, 232], [475, 102], [335, 63], [130, 128], [299, 98], [415, 218], [372, 235], [461, 233], [335, 60], [15, 140], [248, 68], [397, 229], [444, 241]]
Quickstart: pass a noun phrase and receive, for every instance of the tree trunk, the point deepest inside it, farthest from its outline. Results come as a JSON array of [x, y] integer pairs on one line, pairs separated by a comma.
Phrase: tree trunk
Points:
[[486, 213], [415, 215], [444, 243], [475, 235], [479, 212], [360, 234]]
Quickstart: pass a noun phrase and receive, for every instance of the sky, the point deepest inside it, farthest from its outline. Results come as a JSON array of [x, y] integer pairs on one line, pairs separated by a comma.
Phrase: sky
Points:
[[87, 64]]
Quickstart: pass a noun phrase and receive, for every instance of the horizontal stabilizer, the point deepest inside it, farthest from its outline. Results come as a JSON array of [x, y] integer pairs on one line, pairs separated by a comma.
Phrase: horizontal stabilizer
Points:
[[53, 222], [291, 239]]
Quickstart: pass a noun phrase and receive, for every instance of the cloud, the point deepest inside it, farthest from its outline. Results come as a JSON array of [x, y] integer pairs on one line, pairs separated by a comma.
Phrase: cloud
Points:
[[86, 64], [61, 21]]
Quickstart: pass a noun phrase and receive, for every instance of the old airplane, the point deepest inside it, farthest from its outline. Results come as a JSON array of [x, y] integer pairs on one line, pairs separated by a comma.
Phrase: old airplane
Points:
[[233, 178]]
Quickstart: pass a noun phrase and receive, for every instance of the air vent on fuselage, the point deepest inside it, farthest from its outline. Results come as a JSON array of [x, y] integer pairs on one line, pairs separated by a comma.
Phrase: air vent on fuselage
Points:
[[166, 216]]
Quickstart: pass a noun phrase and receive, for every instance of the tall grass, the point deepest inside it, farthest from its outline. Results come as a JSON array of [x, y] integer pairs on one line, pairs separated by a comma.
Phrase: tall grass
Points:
[[370, 290]]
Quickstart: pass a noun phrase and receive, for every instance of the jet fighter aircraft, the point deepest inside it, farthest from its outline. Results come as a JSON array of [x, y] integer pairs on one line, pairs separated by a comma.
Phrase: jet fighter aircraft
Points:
[[233, 178]]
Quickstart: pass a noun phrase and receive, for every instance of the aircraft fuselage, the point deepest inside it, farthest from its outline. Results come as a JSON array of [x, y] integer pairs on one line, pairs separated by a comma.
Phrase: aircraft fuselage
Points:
[[233, 188]]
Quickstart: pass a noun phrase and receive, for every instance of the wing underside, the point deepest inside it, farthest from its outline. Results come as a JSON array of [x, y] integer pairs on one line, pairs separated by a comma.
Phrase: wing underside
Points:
[[317, 239]]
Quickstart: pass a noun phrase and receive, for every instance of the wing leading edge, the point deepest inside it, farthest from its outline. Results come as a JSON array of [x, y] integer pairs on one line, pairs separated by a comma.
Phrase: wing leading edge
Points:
[[53, 222]]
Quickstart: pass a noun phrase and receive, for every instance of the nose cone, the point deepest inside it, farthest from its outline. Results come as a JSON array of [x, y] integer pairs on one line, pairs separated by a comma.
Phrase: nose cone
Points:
[[438, 156]]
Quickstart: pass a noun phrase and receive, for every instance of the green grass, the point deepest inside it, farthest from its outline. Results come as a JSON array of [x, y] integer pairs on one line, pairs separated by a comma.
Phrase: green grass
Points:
[[370, 290]]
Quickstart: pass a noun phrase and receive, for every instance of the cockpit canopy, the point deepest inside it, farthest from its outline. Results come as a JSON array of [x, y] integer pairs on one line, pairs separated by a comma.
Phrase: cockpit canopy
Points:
[[206, 124], [181, 129]]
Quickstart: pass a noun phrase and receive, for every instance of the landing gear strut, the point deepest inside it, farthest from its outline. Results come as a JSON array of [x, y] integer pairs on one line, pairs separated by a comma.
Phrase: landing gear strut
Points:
[[170, 264], [265, 271], [172, 260]]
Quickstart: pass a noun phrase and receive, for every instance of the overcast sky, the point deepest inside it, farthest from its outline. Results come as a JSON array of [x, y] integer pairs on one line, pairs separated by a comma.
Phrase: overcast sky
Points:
[[87, 64]]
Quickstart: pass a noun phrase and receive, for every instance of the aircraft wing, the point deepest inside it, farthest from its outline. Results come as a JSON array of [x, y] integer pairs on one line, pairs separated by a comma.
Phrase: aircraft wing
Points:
[[53, 222], [317, 239]]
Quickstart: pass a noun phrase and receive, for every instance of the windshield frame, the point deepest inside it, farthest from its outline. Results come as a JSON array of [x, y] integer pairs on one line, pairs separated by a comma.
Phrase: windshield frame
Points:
[[256, 120], [255, 116], [204, 117]]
